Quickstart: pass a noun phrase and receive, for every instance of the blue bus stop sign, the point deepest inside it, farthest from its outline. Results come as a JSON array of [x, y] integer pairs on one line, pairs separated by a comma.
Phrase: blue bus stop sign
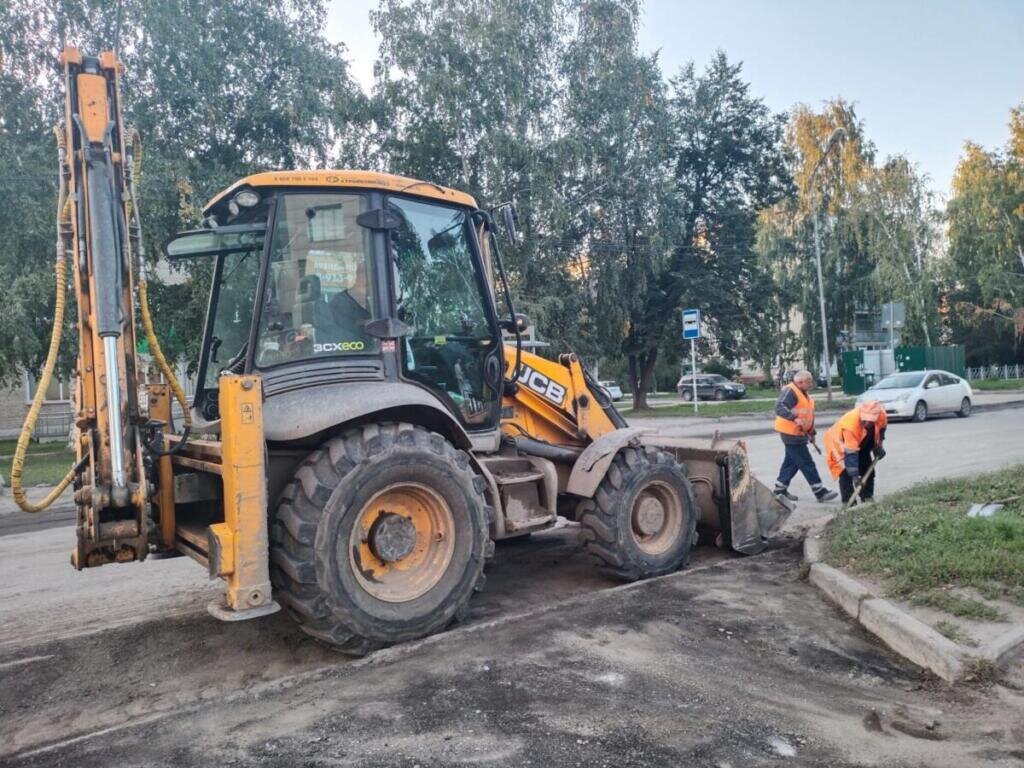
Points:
[[691, 324]]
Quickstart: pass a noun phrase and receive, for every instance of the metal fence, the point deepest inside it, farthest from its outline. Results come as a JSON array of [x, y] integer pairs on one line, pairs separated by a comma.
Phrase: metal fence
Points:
[[53, 424], [995, 372]]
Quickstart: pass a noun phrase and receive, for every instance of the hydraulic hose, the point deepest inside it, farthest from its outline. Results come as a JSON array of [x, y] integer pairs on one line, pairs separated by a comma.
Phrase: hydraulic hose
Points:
[[60, 267], [147, 319]]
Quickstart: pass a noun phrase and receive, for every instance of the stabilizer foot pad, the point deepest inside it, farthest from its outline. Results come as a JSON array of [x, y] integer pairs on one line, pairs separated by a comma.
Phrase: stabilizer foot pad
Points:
[[220, 610]]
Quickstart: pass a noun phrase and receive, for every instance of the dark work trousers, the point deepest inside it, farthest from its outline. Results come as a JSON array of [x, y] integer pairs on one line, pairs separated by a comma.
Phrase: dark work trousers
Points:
[[798, 459], [864, 460]]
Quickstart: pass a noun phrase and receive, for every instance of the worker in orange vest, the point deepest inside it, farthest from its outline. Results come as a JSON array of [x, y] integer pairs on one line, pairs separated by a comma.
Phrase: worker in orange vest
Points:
[[794, 421], [850, 444]]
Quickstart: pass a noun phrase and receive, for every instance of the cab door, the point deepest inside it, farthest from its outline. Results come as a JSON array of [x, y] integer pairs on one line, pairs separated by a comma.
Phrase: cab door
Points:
[[453, 346]]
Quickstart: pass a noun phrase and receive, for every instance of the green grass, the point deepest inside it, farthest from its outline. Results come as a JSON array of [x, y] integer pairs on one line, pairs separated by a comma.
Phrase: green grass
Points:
[[958, 605], [45, 463], [922, 539], [956, 633], [992, 385], [712, 409]]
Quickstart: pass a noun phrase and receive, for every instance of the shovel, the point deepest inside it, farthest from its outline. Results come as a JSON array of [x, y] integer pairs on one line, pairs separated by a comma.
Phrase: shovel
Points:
[[855, 499]]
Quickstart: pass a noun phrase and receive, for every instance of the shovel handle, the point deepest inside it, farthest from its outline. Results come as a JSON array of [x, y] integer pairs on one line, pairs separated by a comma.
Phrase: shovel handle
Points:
[[860, 486]]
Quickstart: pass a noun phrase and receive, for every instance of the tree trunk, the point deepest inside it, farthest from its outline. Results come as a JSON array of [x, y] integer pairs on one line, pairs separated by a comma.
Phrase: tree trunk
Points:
[[641, 367], [639, 394]]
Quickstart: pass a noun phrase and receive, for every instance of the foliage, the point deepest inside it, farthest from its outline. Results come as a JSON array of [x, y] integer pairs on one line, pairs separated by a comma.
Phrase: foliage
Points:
[[638, 194], [714, 409], [922, 539], [985, 268], [988, 385], [718, 365], [217, 88], [956, 633], [958, 605]]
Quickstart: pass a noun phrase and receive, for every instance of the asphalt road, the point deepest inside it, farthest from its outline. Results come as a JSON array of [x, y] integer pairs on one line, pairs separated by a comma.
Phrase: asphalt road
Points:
[[735, 661]]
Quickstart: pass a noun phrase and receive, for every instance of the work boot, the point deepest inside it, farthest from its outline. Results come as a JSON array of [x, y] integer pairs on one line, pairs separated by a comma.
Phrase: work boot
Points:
[[821, 493], [783, 493]]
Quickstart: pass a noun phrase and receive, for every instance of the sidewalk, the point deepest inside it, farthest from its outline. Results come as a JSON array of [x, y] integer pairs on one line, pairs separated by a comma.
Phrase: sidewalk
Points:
[[13, 520]]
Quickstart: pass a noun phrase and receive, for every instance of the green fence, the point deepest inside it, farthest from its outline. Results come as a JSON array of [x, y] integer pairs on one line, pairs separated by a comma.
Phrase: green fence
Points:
[[949, 358], [861, 370]]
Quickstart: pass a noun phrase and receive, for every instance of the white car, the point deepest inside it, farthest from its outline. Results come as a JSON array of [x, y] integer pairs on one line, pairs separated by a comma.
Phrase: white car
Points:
[[613, 389], [916, 395]]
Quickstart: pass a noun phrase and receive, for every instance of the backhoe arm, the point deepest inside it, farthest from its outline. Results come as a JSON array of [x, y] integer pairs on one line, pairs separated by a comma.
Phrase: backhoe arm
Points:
[[111, 485], [556, 403]]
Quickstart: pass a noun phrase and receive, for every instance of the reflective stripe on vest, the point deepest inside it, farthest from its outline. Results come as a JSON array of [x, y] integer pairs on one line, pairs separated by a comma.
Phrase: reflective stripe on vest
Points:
[[803, 410]]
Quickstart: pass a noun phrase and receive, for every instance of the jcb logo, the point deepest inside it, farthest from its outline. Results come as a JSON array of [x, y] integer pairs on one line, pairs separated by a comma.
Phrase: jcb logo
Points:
[[541, 384], [340, 346]]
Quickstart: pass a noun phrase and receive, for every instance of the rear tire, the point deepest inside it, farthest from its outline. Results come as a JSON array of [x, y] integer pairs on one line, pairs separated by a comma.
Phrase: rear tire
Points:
[[336, 567], [643, 518], [965, 408], [687, 395], [920, 412]]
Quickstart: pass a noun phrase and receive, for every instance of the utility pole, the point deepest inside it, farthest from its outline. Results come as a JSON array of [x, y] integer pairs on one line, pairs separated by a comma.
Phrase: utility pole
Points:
[[826, 363]]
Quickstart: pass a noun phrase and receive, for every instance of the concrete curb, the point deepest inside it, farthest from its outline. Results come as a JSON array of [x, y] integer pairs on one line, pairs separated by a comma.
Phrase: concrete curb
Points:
[[906, 635]]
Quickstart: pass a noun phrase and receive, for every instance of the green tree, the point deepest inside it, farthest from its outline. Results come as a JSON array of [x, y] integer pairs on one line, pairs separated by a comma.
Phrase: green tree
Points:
[[905, 242], [726, 162], [985, 269], [217, 89]]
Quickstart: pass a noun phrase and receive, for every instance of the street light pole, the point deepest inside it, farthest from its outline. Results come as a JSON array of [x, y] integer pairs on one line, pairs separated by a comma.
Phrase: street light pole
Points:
[[826, 361]]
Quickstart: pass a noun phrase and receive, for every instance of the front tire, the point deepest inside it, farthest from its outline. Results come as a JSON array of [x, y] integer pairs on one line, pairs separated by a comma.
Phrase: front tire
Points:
[[643, 518], [687, 395], [965, 408], [380, 538], [719, 395], [920, 412]]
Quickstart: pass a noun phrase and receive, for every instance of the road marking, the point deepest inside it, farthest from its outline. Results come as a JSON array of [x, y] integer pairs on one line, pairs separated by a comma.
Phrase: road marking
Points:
[[22, 662]]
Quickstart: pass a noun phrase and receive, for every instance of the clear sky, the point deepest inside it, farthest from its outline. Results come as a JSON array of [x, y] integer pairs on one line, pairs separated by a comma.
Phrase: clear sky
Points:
[[925, 74]]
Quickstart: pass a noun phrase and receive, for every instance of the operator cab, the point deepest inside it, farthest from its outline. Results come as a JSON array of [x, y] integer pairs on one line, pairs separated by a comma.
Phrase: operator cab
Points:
[[327, 277]]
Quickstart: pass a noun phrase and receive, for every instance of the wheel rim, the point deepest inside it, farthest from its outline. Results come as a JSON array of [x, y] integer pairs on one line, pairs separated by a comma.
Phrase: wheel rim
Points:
[[965, 407], [656, 518], [402, 542], [922, 411]]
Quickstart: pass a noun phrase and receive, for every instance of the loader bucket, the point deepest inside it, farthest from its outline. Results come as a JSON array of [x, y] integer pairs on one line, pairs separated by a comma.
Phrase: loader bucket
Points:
[[733, 504]]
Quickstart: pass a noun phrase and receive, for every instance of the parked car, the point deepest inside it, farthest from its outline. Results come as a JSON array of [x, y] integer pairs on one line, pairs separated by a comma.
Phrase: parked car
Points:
[[916, 395], [613, 389], [710, 386], [819, 380]]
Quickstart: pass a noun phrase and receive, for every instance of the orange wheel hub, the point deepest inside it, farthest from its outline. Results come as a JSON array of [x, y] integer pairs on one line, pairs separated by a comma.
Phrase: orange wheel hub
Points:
[[402, 542]]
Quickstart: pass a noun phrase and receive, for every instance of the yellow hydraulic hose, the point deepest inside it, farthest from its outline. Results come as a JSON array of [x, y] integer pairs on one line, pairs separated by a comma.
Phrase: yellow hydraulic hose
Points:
[[18, 464], [147, 320]]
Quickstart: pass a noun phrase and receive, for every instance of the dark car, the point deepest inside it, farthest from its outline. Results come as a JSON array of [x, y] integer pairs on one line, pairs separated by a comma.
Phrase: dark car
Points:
[[819, 380], [710, 386]]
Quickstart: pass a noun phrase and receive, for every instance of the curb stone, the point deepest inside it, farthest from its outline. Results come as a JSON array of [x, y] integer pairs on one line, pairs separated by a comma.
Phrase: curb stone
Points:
[[913, 639], [903, 633]]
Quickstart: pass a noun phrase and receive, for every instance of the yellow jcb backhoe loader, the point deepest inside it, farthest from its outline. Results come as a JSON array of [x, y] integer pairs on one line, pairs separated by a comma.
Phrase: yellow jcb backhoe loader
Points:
[[361, 433]]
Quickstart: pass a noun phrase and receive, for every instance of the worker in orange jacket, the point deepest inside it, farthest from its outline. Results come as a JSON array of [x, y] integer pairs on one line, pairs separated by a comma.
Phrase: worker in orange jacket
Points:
[[851, 443], [794, 421]]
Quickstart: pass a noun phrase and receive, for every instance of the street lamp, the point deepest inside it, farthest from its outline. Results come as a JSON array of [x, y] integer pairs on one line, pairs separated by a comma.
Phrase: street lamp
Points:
[[837, 134]]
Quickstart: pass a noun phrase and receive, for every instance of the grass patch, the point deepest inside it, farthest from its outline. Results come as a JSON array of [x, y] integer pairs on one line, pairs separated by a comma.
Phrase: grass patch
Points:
[[1010, 594], [994, 385], [958, 605], [712, 409], [956, 633], [922, 539], [45, 463]]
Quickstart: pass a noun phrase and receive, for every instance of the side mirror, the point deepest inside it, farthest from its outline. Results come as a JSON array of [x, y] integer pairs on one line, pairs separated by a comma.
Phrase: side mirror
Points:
[[212, 242], [511, 217]]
